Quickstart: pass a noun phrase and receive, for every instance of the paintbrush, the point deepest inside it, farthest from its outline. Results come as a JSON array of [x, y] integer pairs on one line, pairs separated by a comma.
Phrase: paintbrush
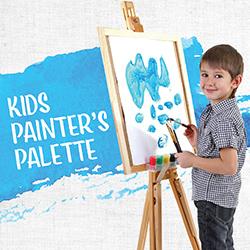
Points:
[[174, 138], [182, 124]]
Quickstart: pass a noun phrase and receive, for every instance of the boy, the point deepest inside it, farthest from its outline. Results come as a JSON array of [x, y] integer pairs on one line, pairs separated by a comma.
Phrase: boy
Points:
[[220, 143]]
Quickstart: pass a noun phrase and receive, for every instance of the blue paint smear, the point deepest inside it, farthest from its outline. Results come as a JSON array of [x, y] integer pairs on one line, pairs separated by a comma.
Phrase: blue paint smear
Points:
[[162, 141], [160, 107], [193, 52], [152, 112], [139, 118], [106, 196], [51, 207], [81, 71], [9, 215], [177, 125], [139, 78], [177, 99], [162, 119], [130, 178], [169, 105], [151, 128], [128, 191]]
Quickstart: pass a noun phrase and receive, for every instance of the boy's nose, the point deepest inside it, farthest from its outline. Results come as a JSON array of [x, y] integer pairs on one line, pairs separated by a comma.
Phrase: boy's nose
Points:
[[209, 81]]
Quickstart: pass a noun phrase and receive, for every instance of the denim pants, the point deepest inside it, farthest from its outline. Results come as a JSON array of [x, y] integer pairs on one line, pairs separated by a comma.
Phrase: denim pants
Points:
[[215, 226]]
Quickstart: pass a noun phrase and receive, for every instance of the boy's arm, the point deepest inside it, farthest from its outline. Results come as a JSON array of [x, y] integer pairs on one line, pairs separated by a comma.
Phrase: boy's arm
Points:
[[226, 164]]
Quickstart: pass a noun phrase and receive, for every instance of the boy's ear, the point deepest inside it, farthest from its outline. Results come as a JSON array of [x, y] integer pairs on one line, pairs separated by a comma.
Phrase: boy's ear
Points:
[[236, 81]]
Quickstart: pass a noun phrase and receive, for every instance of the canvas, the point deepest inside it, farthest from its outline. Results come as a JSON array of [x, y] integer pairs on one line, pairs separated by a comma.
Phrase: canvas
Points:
[[147, 80]]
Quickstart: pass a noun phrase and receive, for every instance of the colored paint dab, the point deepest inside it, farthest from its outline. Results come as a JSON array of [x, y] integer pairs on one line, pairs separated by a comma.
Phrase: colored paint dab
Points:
[[139, 118], [169, 105], [152, 111], [151, 128], [162, 141], [177, 99], [163, 119]]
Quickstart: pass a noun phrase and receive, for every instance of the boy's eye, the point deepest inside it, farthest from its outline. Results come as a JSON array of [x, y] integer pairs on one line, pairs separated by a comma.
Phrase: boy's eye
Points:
[[204, 75], [218, 76]]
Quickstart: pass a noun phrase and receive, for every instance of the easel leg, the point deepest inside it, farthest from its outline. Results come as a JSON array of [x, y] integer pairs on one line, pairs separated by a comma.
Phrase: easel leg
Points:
[[158, 216], [152, 201], [181, 199], [144, 224], [152, 216]]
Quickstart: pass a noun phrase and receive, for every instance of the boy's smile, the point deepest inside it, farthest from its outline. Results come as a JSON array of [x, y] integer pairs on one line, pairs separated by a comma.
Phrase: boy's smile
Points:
[[216, 83]]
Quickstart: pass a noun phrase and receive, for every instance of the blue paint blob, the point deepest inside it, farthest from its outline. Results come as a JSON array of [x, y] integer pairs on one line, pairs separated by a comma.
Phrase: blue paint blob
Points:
[[169, 105], [139, 118], [160, 107], [176, 125], [177, 99], [153, 112], [139, 78], [162, 119], [162, 141], [151, 128]]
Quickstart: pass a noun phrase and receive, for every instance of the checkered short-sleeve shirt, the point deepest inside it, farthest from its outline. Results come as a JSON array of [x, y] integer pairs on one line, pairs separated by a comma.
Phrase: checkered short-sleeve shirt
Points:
[[221, 126]]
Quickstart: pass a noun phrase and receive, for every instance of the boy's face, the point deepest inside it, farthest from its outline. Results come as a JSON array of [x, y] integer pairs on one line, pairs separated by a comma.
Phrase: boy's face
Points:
[[217, 84]]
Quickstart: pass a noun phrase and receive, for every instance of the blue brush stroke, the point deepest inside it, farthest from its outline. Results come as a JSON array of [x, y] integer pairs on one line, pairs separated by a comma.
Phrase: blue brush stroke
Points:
[[169, 105], [153, 111], [106, 196], [82, 72], [130, 178], [130, 191], [177, 125], [139, 78], [162, 141], [160, 107], [10, 215], [151, 128], [177, 99], [139, 117], [163, 119]]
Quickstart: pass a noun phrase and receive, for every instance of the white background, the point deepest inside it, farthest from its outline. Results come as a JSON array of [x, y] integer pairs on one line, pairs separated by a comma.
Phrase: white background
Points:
[[32, 30]]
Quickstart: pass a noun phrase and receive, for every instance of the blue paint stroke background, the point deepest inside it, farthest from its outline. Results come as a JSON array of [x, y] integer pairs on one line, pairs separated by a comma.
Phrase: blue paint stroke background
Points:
[[75, 83], [82, 70]]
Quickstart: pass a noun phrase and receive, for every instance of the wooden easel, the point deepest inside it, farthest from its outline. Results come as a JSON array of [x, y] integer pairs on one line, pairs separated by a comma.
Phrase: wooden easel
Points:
[[152, 215]]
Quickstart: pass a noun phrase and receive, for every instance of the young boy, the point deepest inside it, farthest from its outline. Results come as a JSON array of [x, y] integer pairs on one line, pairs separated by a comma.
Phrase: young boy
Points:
[[220, 143]]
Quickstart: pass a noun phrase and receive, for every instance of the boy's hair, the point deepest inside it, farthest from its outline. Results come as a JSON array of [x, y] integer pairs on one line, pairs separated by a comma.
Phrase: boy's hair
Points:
[[224, 57]]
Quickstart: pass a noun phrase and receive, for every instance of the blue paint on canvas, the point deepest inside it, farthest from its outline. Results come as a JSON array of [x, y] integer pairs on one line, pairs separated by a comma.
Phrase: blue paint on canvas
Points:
[[152, 111], [151, 128], [139, 79], [162, 119], [169, 105], [139, 117], [162, 141]]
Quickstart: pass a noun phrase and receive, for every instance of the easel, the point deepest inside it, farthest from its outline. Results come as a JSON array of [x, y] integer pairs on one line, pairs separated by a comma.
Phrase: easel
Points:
[[152, 214]]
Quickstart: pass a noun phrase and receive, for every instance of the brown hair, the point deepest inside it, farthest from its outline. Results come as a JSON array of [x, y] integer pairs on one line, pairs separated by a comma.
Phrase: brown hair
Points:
[[225, 57]]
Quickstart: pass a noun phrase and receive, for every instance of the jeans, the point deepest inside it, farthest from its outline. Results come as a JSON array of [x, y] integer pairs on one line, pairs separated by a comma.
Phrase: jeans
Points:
[[215, 226]]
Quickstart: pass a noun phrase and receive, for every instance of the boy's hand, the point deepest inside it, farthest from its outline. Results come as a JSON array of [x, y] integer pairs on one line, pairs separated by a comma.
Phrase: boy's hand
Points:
[[185, 159], [191, 133]]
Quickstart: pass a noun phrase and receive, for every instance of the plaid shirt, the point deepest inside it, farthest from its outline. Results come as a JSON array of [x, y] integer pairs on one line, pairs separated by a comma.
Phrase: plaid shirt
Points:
[[221, 126]]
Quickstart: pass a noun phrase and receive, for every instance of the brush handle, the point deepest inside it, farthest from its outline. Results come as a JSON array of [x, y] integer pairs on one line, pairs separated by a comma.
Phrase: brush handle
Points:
[[177, 144]]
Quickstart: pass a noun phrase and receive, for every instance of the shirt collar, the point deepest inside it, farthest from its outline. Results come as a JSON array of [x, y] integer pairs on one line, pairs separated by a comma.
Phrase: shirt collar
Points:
[[223, 105]]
